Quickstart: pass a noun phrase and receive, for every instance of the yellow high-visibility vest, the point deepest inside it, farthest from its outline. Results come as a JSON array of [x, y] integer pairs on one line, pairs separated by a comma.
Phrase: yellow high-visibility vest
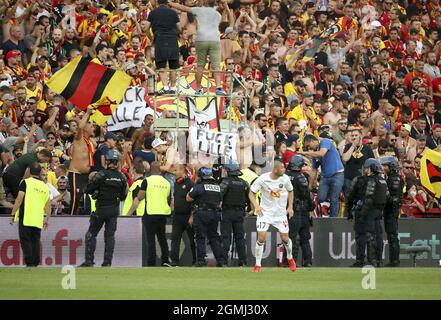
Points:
[[129, 200], [92, 204], [36, 196], [249, 176], [156, 195]]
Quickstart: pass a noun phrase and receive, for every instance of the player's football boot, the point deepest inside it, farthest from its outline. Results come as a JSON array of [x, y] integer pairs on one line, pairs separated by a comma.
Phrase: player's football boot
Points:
[[292, 265], [256, 268]]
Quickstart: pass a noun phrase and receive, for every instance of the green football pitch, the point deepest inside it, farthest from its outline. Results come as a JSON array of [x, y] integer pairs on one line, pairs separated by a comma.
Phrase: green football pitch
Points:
[[220, 283]]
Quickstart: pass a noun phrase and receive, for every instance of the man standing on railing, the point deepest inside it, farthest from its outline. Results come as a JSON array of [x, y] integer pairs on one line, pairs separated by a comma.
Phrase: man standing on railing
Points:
[[165, 24], [207, 40]]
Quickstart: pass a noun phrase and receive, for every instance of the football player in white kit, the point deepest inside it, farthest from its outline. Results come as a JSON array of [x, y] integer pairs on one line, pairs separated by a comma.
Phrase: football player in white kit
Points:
[[276, 203]]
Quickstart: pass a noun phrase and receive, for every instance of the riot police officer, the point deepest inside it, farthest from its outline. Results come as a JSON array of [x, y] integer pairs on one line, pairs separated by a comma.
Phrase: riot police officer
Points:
[[207, 196], [300, 223], [234, 200], [365, 202], [108, 187], [395, 185]]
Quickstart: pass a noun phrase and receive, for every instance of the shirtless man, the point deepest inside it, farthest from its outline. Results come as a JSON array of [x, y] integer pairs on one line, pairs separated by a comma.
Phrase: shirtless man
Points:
[[168, 157], [229, 44], [333, 116], [144, 132], [82, 151]]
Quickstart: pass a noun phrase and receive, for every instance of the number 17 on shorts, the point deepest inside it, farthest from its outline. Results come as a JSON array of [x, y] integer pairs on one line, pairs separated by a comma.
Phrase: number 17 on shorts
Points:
[[280, 223]]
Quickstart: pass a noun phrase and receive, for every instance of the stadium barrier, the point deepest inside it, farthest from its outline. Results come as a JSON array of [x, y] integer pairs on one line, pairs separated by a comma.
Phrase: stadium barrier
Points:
[[332, 242]]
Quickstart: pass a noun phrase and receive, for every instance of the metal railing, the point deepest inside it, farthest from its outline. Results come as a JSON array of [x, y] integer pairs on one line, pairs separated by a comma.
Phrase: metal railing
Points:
[[178, 123]]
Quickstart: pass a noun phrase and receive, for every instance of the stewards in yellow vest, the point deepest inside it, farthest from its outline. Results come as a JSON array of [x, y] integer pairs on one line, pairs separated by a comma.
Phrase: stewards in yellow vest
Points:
[[138, 173], [32, 209], [156, 193]]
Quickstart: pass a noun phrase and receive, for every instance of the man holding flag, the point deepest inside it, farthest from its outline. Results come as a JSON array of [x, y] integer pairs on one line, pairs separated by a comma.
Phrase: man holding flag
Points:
[[82, 151]]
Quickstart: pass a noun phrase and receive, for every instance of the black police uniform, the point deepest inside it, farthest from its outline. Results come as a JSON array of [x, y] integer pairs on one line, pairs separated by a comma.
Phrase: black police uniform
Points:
[[365, 202], [299, 224], [108, 187], [182, 211], [395, 185], [235, 198], [207, 196]]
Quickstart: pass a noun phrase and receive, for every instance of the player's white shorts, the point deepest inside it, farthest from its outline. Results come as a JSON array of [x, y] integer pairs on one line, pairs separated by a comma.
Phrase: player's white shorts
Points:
[[280, 223]]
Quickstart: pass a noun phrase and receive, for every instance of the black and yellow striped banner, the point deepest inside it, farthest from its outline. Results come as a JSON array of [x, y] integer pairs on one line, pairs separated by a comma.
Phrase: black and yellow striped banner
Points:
[[83, 83]]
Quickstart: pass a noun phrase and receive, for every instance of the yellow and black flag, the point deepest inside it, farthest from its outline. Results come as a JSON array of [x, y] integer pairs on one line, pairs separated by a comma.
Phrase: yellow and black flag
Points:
[[84, 83], [430, 172]]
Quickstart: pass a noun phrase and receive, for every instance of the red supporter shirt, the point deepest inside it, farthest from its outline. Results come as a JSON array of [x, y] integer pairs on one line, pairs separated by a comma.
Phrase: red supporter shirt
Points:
[[436, 88], [424, 76]]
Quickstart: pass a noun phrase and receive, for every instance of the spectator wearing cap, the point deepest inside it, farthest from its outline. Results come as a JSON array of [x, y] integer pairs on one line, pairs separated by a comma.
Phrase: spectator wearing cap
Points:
[[32, 89], [305, 112], [434, 140], [404, 140], [146, 153], [278, 95], [132, 71], [64, 136], [228, 43], [99, 157], [420, 148], [55, 47], [41, 62], [14, 66]]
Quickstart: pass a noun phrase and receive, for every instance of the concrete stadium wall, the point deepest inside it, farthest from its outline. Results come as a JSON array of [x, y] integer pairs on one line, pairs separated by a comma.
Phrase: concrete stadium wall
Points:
[[332, 242]]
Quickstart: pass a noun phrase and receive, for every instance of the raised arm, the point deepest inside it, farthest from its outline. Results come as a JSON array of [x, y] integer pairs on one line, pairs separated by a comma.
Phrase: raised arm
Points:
[[82, 124], [179, 7]]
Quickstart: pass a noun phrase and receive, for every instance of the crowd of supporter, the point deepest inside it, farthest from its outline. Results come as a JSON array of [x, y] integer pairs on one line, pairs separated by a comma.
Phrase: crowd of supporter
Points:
[[371, 88]]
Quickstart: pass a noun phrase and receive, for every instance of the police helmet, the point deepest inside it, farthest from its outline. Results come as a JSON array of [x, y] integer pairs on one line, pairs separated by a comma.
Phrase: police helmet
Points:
[[373, 164], [205, 173], [112, 155], [391, 162], [233, 169], [296, 163]]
